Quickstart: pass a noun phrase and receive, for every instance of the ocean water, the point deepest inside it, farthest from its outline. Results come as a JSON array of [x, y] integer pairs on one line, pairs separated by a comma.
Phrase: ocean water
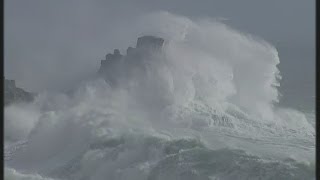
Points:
[[205, 108]]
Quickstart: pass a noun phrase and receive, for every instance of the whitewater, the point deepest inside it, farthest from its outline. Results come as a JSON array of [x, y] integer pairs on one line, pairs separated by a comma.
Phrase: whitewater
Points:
[[204, 108]]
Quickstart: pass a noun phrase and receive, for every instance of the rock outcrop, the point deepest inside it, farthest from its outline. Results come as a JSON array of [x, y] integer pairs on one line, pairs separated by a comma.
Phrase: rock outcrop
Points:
[[117, 67], [150, 42], [13, 94]]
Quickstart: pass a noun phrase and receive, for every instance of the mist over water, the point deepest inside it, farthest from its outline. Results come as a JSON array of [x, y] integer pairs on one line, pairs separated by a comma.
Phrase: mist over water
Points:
[[205, 107]]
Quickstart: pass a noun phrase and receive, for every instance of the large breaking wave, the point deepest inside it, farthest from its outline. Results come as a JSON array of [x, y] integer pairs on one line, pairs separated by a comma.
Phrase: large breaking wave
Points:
[[204, 108]]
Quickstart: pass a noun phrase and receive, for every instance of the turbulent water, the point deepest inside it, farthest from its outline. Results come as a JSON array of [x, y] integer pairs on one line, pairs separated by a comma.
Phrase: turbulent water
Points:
[[205, 108]]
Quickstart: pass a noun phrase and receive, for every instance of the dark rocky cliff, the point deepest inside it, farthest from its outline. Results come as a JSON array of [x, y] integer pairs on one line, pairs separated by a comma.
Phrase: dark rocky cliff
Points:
[[13, 94], [117, 67]]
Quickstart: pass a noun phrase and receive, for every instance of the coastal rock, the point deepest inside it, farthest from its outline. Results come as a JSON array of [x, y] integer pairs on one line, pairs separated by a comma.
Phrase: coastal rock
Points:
[[13, 94], [150, 42], [117, 66]]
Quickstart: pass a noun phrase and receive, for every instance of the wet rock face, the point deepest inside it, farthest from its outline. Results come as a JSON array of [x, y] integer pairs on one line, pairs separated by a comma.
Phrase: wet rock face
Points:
[[13, 94], [117, 66]]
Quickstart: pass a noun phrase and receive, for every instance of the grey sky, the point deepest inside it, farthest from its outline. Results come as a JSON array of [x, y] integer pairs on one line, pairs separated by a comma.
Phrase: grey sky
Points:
[[43, 39]]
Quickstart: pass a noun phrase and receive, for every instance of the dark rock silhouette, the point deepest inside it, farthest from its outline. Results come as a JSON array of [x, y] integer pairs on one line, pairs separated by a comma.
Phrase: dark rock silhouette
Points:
[[13, 94], [116, 66], [150, 42], [130, 50], [116, 53]]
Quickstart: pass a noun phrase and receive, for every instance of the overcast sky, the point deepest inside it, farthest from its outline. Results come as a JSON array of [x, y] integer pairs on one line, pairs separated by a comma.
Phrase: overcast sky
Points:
[[44, 37]]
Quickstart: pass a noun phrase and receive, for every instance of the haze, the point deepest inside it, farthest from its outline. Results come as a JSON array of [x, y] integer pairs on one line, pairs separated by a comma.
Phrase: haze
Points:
[[49, 45]]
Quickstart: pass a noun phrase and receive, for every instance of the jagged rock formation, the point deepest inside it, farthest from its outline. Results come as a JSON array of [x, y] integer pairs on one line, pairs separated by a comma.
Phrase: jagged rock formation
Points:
[[13, 94], [117, 67]]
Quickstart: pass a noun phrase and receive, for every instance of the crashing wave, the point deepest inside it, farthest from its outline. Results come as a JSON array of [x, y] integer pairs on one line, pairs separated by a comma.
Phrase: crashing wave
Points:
[[201, 104]]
